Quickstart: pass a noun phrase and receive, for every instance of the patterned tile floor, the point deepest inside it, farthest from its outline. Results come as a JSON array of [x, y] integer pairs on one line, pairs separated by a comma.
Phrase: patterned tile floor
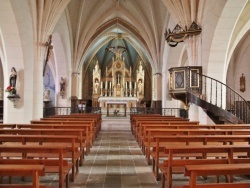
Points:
[[115, 160]]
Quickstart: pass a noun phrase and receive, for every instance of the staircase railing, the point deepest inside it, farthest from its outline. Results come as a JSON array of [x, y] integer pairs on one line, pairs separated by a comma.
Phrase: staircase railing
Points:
[[215, 92]]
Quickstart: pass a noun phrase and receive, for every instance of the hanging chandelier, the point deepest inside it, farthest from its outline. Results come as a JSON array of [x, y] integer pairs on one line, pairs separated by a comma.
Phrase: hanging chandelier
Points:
[[179, 35]]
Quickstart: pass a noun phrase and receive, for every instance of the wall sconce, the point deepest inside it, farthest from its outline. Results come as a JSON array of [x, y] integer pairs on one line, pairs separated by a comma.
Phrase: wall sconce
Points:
[[14, 98], [179, 35]]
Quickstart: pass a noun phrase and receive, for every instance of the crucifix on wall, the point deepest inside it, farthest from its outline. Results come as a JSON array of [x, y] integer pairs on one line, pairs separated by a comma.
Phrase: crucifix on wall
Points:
[[49, 48]]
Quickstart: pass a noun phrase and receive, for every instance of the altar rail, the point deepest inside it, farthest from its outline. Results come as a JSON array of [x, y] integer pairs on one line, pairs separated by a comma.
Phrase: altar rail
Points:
[[178, 112], [50, 111]]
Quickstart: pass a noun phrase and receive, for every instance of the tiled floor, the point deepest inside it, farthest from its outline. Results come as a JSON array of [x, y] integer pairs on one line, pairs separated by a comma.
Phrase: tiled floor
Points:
[[115, 160]]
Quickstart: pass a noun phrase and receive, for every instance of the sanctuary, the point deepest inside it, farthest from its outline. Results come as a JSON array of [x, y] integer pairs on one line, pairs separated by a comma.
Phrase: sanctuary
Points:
[[117, 90]]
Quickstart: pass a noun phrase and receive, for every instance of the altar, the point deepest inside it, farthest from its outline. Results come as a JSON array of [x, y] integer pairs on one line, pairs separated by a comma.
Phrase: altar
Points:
[[118, 87], [117, 106]]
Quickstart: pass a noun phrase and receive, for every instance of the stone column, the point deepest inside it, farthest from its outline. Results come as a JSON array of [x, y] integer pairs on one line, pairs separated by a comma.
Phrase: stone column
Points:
[[157, 90]]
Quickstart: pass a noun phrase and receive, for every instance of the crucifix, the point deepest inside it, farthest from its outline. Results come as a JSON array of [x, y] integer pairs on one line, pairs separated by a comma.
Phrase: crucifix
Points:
[[49, 48], [117, 51]]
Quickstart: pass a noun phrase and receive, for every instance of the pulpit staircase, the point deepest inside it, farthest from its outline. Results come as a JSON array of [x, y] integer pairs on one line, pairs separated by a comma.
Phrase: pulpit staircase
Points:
[[221, 103]]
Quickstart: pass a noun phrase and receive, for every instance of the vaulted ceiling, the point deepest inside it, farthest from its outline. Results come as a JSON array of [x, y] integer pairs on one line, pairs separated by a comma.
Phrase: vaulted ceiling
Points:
[[136, 25]]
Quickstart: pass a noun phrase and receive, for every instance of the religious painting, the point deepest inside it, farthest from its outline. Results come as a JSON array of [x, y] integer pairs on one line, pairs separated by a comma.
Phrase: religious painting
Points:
[[242, 83]]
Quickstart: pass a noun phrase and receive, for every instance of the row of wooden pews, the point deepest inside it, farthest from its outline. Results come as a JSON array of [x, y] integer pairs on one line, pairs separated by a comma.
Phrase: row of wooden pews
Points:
[[56, 144], [185, 147]]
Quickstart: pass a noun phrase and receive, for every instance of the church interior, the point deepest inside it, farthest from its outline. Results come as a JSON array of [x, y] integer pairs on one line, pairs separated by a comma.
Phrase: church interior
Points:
[[123, 70]]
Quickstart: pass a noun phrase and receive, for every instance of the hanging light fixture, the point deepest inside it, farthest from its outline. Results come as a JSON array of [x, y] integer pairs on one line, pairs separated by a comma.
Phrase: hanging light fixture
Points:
[[178, 34]]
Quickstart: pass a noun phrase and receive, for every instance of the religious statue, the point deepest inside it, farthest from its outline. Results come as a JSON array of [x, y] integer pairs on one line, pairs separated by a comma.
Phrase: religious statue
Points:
[[140, 86], [96, 78], [140, 75], [13, 77], [12, 81], [96, 69], [62, 85], [96, 86]]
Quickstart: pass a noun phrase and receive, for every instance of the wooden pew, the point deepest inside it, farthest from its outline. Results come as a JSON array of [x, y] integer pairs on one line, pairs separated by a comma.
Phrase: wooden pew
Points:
[[45, 132], [134, 116], [88, 123], [95, 121], [87, 138], [161, 142], [35, 171], [202, 152], [142, 126], [51, 165], [136, 122], [30, 150], [187, 125], [182, 125], [98, 117], [219, 169], [147, 140], [49, 140], [7, 126]]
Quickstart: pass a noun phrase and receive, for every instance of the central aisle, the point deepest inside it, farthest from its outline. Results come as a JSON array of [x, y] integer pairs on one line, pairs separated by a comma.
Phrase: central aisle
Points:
[[115, 160]]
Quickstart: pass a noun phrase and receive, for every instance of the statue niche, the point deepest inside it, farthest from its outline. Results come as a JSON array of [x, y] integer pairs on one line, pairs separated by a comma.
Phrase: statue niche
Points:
[[140, 74], [96, 84]]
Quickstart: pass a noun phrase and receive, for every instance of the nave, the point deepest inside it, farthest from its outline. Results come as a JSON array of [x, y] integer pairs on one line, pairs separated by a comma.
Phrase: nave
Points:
[[115, 160]]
